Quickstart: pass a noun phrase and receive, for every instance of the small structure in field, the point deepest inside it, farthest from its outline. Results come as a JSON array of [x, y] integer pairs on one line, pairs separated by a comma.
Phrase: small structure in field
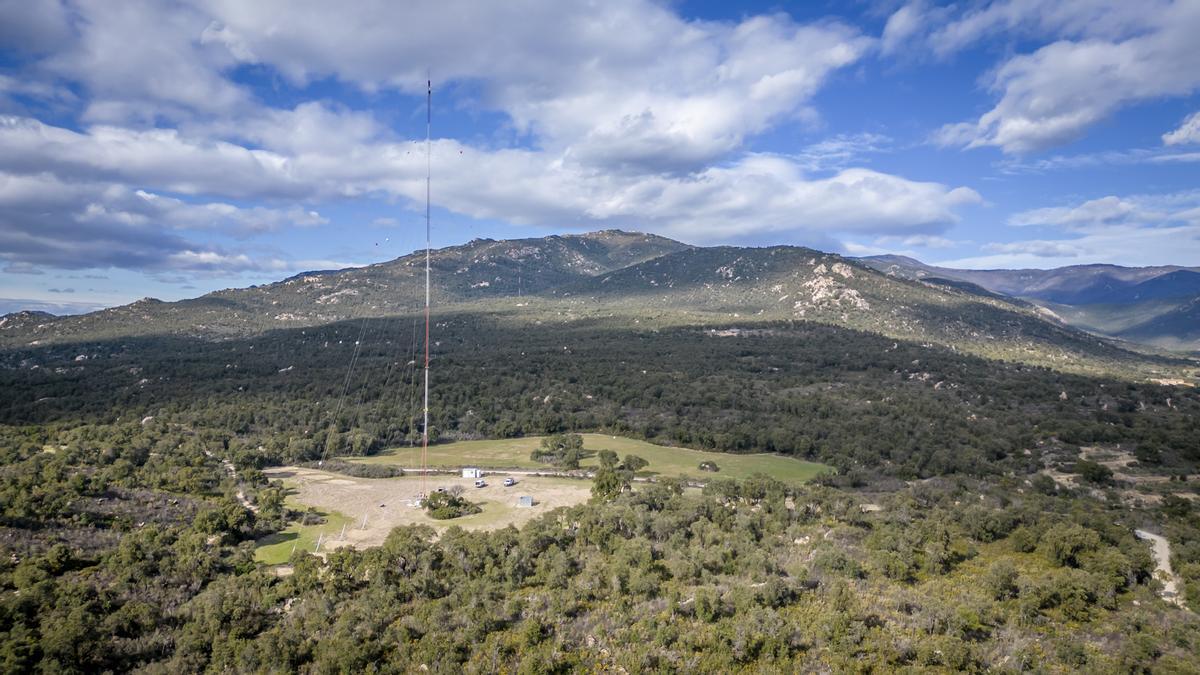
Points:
[[472, 472], [524, 501]]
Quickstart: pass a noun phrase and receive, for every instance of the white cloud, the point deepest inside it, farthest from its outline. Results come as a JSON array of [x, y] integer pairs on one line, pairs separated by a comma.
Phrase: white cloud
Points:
[[757, 193], [1154, 229], [1107, 55], [48, 222], [141, 61], [623, 86], [902, 26], [1037, 248], [918, 240], [633, 115], [1097, 212], [1187, 133], [1014, 165], [840, 151]]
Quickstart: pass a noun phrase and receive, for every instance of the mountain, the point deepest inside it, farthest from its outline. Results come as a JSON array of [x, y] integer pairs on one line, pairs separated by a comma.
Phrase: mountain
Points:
[[1106, 300], [751, 284], [1178, 284], [1178, 328], [631, 279], [1072, 285], [475, 272], [25, 319]]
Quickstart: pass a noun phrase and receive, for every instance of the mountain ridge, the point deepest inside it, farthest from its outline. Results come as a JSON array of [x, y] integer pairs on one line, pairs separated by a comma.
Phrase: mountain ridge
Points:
[[621, 276], [1103, 299]]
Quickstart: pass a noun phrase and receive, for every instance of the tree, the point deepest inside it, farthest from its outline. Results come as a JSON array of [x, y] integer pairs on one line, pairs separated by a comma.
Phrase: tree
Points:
[[608, 459], [634, 463], [609, 483], [1093, 472], [1064, 543], [444, 506], [562, 450], [1000, 580]]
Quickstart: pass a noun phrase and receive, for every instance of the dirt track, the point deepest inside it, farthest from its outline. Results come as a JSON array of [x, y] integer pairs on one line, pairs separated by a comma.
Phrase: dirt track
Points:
[[384, 503], [1162, 558]]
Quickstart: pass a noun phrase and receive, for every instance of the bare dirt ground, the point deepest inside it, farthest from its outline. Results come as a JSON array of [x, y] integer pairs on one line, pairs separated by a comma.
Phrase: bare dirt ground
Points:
[[376, 505], [1123, 465], [1162, 558]]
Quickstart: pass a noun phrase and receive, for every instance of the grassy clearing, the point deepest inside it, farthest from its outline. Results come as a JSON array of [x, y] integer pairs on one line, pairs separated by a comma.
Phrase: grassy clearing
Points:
[[664, 461], [275, 549]]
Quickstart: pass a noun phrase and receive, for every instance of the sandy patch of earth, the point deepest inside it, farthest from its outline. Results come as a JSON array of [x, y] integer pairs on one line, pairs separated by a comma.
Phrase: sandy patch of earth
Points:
[[376, 505]]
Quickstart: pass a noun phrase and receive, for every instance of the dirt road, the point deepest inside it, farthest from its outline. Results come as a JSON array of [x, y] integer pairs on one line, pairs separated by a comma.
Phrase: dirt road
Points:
[[232, 471], [1162, 559]]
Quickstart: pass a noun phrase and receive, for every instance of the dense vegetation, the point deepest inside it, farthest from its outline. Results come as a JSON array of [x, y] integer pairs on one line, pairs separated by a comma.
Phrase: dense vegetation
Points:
[[854, 400], [751, 574], [127, 543]]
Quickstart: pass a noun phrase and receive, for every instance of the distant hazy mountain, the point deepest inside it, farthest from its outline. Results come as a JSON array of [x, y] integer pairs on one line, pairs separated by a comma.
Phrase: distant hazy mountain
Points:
[[1177, 328], [1110, 300]]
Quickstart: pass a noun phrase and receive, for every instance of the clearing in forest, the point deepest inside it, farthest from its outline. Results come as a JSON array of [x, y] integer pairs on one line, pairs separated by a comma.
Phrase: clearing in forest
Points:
[[513, 453], [370, 507]]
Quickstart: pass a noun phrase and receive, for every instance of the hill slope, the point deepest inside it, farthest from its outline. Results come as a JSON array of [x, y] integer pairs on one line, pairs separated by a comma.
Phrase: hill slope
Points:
[[724, 284], [477, 271], [637, 279]]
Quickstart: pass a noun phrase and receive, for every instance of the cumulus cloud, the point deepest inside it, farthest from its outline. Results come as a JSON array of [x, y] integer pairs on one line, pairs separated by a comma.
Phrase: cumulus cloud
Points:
[[631, 116], [627, 85], [1187, 133], [48, 222], [1107, 54], [756, 193], [143, 61]]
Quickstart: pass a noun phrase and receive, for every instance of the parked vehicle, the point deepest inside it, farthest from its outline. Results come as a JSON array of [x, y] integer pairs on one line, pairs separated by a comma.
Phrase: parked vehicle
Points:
[[509, 482]]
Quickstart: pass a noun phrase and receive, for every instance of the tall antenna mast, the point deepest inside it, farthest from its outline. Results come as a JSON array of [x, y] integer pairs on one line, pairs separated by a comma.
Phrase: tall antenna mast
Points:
[[428, 246]]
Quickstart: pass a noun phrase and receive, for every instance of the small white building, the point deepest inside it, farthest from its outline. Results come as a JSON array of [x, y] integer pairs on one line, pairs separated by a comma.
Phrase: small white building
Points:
[[472, 472], [524, 501]]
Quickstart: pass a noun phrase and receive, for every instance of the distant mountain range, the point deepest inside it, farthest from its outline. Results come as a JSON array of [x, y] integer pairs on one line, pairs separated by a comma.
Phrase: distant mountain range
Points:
[[1152, 305], [640, 280]]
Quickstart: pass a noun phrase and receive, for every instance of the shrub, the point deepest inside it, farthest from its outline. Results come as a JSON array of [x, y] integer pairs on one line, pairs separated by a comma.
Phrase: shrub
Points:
[[444, 506]]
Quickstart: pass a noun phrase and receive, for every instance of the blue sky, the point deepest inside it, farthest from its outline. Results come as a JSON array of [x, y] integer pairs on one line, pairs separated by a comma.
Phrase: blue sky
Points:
[[168, 149]]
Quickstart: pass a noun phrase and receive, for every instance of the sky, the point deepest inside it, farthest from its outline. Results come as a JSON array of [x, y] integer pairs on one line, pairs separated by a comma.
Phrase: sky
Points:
[[169, 149]]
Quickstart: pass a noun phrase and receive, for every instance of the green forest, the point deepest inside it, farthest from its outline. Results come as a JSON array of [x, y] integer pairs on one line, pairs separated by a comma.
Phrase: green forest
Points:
[[126, 546]]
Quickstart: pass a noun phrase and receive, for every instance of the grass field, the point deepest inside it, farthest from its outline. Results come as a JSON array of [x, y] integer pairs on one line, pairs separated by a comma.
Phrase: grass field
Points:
[[514, 453], [275, 549]]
